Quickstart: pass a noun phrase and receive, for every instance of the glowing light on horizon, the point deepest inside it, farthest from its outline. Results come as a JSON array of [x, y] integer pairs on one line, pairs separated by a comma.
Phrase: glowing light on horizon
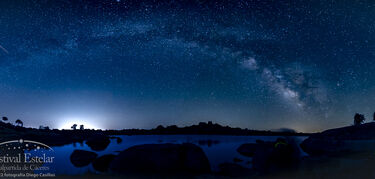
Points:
[[67, 123]]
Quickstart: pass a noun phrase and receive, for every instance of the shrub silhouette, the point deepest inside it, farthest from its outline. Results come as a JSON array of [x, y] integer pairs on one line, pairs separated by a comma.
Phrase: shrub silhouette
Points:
[[19, 123], [359, 119], [5, 119]]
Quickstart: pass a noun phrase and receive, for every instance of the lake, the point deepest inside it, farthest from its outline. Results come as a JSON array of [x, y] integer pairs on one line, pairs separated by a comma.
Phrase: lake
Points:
[[218, 148]]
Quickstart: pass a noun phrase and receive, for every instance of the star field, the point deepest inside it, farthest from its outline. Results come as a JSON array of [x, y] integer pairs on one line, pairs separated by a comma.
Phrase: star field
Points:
[[132, 64]]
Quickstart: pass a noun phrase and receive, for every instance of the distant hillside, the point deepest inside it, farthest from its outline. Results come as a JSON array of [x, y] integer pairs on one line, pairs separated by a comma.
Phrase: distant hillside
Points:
[[202, 128], [343, 140], [55, 137]]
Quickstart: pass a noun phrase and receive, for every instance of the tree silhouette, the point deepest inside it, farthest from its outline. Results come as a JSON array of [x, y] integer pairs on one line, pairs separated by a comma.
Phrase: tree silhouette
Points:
[[19, 123], [5, 119], [74, 126], [160, 127], [359, 119], [373, 117], [43, 127]]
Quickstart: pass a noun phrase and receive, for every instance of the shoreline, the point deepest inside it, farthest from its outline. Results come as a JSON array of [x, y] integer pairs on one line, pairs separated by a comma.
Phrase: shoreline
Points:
[[289, 135]]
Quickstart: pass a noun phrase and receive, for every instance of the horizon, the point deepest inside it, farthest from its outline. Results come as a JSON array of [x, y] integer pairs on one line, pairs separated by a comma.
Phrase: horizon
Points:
[[68, 126], [115, 64]]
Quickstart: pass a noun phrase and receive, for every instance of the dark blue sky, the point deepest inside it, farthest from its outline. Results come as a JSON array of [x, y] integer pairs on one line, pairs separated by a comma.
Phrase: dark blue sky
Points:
[[306, 65]]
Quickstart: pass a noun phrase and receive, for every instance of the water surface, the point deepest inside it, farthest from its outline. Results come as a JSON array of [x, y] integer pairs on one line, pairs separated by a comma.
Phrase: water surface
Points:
[[218, 148]]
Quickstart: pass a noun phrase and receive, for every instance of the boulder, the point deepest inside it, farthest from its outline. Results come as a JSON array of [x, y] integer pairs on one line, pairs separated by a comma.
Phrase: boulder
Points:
[[262, 157], [271, 155], [102, 163], [161, 158], [284, 154], [237, 160], [118, 139], [98, 143], [81, 158]]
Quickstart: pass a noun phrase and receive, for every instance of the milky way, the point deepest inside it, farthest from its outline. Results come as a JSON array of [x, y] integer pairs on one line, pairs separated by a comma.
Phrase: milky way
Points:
[[128, 64]]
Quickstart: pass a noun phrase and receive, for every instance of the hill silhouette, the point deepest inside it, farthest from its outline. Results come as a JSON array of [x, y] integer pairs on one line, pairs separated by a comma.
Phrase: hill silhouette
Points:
[[57, 137], [203, 128]]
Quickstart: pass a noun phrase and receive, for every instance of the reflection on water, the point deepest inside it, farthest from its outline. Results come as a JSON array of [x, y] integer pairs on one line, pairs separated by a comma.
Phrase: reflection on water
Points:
[[208, 142], [219, 149]]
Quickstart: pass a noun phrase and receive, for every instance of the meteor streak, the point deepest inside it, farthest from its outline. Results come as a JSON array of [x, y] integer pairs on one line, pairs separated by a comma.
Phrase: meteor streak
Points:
[[4, 50]]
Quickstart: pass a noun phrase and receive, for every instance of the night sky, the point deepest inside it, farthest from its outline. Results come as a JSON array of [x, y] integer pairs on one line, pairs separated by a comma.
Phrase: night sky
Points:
[[113, 64]]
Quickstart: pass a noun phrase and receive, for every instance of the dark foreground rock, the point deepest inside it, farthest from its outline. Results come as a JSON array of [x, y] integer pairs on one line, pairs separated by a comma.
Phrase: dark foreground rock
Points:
[[234, 170], [98, 143], [345, 140], [161, 158], [271, 156], [81, 158], [102, 163]]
